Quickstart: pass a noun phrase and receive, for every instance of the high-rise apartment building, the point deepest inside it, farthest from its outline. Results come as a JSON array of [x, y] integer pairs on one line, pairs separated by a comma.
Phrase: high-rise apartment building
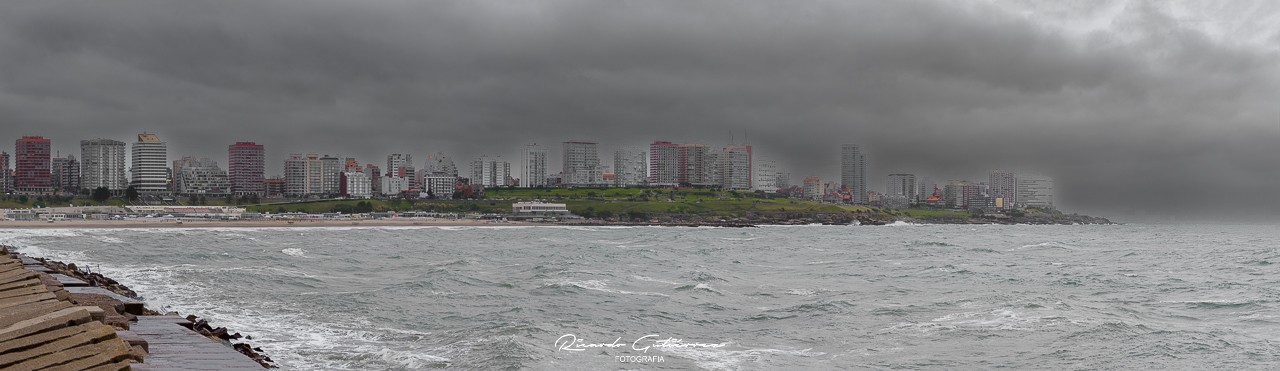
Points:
[[400, 165], [200, 177], [490, 172], [581, 164], [355, 184], [696, 164], [246, 168], [330, 176], [295, 175], [1004, 186], [439, 187], [629, 168], [664, 164], [853, 172], [1035, 191], [6, 174], [903, 185], [312, 175], [150, 164], [65, 174], [31, 165], [735, 167], [534, 166], [102, 164], [440, 165], [962, 194], [766, 174]]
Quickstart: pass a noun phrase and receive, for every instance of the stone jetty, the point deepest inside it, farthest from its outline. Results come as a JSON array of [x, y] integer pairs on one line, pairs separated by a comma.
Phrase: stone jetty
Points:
[[54, 316]]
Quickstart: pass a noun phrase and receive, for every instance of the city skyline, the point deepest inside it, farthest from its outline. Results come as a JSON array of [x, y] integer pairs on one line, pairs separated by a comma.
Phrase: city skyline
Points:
[[1119, 103]]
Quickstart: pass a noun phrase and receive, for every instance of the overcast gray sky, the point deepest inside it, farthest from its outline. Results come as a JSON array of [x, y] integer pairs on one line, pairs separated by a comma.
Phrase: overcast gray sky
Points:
[[1123, 102]]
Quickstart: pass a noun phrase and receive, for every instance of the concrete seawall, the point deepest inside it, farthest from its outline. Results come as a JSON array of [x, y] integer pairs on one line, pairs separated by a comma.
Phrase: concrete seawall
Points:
[[55, 317]]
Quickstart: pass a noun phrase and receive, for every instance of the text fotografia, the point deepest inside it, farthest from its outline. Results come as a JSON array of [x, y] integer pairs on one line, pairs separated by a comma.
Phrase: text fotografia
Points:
[[571, 342], [640, 359]]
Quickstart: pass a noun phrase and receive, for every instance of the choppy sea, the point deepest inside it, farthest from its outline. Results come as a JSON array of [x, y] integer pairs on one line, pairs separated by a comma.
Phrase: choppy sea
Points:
[[806, 297]]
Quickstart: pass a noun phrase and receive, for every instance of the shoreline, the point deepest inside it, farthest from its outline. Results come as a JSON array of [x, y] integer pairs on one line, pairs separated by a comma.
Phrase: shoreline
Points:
[[131, 224], [126, 224]]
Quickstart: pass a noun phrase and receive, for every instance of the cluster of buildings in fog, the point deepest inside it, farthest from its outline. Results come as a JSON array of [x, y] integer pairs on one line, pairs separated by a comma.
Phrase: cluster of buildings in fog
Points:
[[1003, 190], [102, 164]]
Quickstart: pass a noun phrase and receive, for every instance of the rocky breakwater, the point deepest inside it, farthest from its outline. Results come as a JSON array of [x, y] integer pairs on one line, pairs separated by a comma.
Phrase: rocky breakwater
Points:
[[124, 310]]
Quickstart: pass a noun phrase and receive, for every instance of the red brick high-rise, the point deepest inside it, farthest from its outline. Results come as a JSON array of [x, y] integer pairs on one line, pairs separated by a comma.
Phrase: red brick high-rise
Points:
[[31, 165], [246, 169]]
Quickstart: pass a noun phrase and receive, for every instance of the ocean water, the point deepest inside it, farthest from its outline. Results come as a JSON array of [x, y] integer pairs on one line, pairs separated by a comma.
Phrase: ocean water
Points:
[[810, 297]]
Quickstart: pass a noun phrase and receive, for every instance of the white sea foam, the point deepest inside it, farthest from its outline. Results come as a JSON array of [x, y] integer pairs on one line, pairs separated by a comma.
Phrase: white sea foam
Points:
[[293, 251], [643, 278], [1043, 245], [802, 292], [1006, 319], [602, 286], [725, 359]]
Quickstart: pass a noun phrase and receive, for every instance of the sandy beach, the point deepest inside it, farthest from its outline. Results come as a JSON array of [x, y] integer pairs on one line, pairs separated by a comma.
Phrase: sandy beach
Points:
[[260, 223]]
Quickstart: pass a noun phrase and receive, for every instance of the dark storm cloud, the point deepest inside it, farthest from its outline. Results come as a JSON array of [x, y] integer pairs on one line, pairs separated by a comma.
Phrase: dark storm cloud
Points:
[[1153, 112]]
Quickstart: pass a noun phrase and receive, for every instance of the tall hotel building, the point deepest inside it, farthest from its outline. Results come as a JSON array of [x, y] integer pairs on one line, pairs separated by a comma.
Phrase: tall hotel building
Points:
[[102, 165], [246, 169], [696, 165], [629, 168], [700, 165], [581, 164], [490, 172], [330, 170], [1035, 191], [664, 164], [6, 176], [853, 172], [400, 165], [736, 167], [535, 166], [1004, 186], [150, 164], [295, 174], [902, 185], [766, 175], [65, 174], [31, 165]]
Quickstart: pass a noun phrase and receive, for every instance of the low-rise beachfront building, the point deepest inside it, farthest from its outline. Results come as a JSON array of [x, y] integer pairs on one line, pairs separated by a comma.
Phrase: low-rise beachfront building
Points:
[[214, 212], [540, 210]]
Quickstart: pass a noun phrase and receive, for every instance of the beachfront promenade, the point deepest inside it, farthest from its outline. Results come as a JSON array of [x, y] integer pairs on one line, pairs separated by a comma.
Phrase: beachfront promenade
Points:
[[52, 321]]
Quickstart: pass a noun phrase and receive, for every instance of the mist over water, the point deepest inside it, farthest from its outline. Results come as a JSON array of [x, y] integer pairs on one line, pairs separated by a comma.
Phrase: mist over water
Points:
[[826, 297]]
